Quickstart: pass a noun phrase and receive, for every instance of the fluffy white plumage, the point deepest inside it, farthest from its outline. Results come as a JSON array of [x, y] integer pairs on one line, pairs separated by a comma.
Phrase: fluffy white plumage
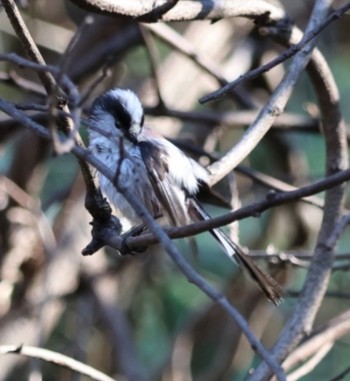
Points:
[[118, 114]]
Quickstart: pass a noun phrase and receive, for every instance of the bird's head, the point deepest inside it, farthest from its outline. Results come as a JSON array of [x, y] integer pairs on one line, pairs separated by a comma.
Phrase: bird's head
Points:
[[119, 109]]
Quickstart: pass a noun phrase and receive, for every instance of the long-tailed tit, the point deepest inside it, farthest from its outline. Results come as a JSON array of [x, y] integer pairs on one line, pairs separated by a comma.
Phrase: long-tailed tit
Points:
[[161, 176]]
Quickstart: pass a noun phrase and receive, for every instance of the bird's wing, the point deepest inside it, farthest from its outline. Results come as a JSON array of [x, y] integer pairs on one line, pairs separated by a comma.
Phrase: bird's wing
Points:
[[168, 192]]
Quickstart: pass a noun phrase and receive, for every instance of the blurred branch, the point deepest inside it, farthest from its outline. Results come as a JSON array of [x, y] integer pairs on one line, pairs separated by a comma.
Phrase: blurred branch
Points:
[[55, 358], [66, 83], [106, 51], [28, 43], [284, 256], [315, 286], [237, 118], [322, 336], [184, 10], [174, 39], [276, 185], [153, 56], [311, 363], [24, 84], [290, 52], [116, 322], [272, 109], [40, 221]]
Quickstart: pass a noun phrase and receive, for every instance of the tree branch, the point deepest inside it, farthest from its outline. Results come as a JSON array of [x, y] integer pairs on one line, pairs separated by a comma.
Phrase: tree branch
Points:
[[300, 322], [184, 10], [268, 114], [290, 52], [55, 358]]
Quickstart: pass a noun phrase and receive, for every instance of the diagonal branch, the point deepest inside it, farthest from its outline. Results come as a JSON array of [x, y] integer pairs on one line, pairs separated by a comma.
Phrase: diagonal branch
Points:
[[302, 318], [55, 358], [290, 52], [268, 114], [28, 43], [329, 333]]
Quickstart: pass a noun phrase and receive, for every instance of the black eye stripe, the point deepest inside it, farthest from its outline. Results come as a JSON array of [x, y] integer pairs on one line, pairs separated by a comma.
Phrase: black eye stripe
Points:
[[121, 115], [114, 107]]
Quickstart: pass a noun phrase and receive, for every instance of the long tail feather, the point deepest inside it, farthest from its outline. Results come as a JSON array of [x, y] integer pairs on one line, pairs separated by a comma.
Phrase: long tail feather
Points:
[[267, 284]]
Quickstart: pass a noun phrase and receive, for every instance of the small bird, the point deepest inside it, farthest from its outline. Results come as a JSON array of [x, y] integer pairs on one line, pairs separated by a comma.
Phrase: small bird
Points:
[[161, 176]]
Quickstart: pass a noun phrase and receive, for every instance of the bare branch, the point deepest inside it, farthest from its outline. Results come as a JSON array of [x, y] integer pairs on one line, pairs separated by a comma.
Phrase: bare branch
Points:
[[184, 10], [311, 363], [270, 111], [55, 358], [28, 43], [178, 42], [273, 199], [290, 52], [323, 335], [321, 265]]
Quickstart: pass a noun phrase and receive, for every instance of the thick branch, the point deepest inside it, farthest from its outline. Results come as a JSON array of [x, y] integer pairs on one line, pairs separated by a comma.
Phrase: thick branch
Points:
[[184, 10], [316, 283]]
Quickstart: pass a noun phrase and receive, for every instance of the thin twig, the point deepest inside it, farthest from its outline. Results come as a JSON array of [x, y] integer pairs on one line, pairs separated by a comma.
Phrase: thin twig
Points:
[[237, 118], [55, 358], [290, 52], [174, 39], [323, 335], [266, 117], [311, 363]]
